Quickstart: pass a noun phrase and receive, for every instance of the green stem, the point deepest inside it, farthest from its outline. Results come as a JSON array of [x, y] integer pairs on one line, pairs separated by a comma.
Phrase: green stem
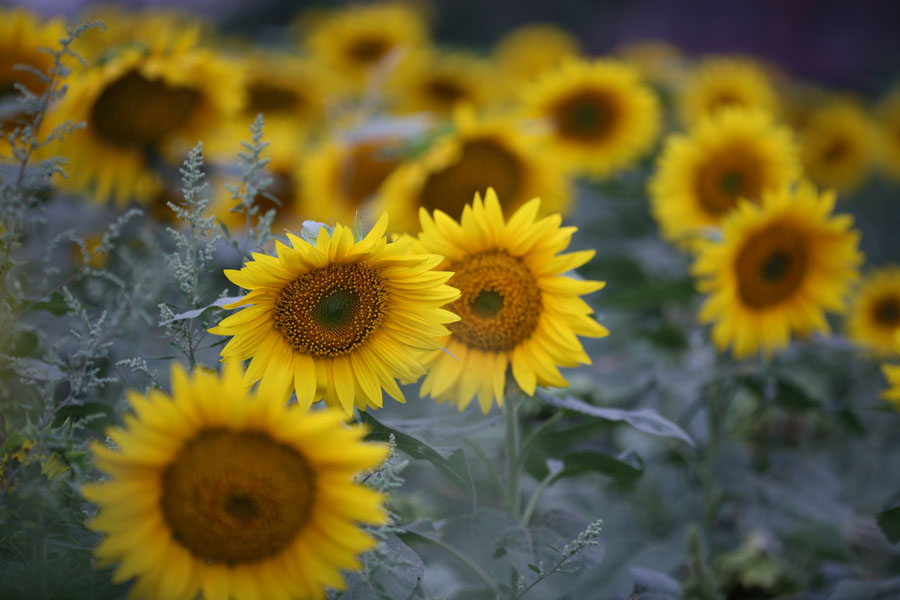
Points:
[[535, 496], [534, 435], [488, 463], [462, 558], [512, 453]]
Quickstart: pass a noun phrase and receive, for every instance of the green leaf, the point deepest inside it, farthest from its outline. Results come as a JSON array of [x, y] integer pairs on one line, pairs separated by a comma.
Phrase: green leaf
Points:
[[783, 391], [453, 465], [654, 581], [23, 344], [395, 574], [889, 521], [626, 467], [677, 291], [99, 416], [644, 419], [56, 305]]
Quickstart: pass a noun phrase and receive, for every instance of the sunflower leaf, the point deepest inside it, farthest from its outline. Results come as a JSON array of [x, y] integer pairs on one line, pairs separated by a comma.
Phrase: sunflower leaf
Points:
[[193, 314]]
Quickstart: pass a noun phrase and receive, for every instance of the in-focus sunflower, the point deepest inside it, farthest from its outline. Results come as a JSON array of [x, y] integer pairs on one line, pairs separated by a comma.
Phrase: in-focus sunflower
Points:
[[340, 319], [232, 494], [530, 51], [735, 153], [340, 175], [490, 152], [892, 374], [142, 103], [358, 40], [874, 317], [21, 37], [718, 82], [600, 116], [780, 265], [888, 127], [438, 82], [516, 309], [837, 145]]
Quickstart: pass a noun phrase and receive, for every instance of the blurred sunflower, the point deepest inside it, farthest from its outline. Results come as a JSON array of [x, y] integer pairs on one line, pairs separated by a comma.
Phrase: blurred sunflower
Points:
[[139, 106], [339, 176], [888, 126], [21, 37], [481, 153], [659, 63], [530, 51], [718, 82], [516, 308], [437, 82], [780, 265], [340, 319], [892, 374], [358, 40], [874, 317], [600, 117], [231, 494], [733, 154], [837, 145]]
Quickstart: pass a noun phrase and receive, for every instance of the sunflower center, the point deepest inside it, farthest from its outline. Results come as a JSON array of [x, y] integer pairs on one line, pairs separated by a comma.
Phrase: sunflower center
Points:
[[332, 310], [368, 50], [771, 266], [728, 175], [836, 151], [134, 111], [283, 187], [236, 498], [500, 301], [887, 312], [482, 163], [723, 99], [364, 169], [445, 92], [587, 116], [266, 98]]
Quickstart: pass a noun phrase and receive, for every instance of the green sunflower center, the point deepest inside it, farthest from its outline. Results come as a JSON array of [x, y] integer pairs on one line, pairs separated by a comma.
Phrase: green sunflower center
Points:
[[482, 163], [236, 497], [500, 301], [887, 312], [771, 266], [333, 310], [586, 116], [134, 111]]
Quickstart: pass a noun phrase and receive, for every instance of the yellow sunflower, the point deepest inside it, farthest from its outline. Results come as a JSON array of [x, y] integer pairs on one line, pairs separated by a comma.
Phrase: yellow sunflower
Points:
[[340, 175], [437, 82], [892, 374], [359, 40], [21, 37], [531, 50], [733, 154], [889, 130], [516, 309], [659, 63], [480, 153], [139, 104], [837, 145], [874, 317], [231, 494], [600, 117], [718, 82], [340, 319], [780, 265]]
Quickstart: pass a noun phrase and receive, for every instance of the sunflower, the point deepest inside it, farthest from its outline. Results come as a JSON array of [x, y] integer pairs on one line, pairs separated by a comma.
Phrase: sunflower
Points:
[[359, 40], [875, 312], [480, 153], [735, 153], [892, 374], [437, 82], [659, 63], [340, 175], [233, 494], [780, 265], [531, 50], [889, 129], [142, 103], [837, 145], [21, 37], [600, 117], [340, 319], [718, 82], [516, 308]]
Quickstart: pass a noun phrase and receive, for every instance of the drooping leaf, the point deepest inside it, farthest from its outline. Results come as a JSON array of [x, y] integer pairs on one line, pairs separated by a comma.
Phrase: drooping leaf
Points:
[[625, 467]]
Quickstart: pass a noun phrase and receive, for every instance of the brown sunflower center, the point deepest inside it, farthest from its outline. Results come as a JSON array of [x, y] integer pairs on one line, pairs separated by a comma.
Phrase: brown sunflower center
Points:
[[332, 310], [236, 497], [836, 151], [368, 50], [886, 312], [724, 99], [771, 266], [445, 92], [268, 98], [586, 116], [364, 168], [284, 189], [728, 175], [500, 303], [482, 163], [134, 111]]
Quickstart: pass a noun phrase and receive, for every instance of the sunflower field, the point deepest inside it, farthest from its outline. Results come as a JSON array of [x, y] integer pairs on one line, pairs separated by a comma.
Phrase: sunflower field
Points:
[[327, 305]]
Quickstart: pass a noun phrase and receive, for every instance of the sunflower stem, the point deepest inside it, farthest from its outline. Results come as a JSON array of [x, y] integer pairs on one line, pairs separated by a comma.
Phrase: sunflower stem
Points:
[[512, 452]]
